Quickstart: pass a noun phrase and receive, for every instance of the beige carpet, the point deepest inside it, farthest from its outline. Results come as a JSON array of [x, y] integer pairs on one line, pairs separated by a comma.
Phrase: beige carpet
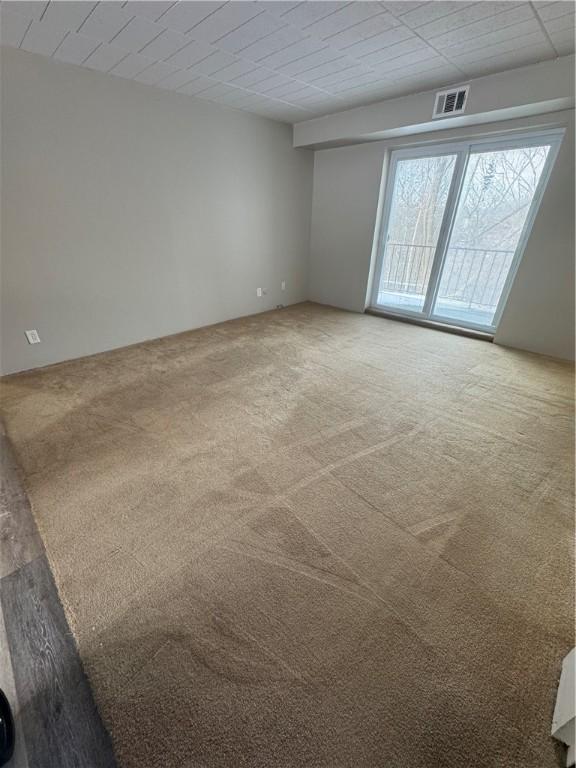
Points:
[[310, 538]]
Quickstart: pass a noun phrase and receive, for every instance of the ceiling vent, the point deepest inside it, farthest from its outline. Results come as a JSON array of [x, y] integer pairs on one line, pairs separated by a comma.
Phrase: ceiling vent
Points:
[[450, 103]]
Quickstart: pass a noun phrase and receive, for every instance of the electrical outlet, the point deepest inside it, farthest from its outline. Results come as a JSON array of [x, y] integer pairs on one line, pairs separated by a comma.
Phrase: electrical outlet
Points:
[[283, 285], [32, 336], [258, 291]]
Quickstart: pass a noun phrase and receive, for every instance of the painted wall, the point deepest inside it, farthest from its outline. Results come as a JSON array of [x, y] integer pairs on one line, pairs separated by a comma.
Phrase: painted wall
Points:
[[130, 213], [539, 315], [344, 203], [532, 90]]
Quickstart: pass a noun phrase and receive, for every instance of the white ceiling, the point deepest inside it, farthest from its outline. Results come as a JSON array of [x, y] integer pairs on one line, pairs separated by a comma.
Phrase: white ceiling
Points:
[[291, 61]]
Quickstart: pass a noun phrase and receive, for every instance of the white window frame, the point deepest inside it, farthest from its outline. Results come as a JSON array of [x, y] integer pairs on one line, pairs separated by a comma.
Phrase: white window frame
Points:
[[463, 149]]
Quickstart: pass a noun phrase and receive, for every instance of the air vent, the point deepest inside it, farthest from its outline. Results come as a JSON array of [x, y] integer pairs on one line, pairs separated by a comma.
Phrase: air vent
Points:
[[450, 103]]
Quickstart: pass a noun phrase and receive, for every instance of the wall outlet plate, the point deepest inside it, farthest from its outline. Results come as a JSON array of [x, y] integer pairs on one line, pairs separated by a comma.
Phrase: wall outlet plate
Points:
[[32, 336], [258, 291], [283, 285]]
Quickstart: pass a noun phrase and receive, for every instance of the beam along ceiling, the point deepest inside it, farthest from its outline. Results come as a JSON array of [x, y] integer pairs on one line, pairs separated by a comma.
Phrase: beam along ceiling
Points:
[[291, 61]]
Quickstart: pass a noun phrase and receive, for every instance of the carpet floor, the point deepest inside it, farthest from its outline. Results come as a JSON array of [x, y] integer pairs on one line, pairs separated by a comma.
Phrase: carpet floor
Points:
[[310, 538]]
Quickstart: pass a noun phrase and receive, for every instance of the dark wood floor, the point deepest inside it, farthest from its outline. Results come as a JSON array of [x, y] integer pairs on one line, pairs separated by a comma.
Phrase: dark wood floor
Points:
[[57, 723]]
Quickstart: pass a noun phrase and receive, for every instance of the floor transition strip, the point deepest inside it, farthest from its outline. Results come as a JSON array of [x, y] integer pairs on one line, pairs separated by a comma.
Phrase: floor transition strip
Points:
[[57, 723]]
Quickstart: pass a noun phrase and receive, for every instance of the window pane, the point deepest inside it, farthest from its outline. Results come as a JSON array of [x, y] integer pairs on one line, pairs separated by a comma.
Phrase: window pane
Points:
[[421, 187], [498, 190]]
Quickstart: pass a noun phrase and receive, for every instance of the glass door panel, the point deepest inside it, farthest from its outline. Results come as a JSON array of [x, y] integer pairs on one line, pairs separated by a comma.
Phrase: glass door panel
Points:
[[418, 201], [496, 197]]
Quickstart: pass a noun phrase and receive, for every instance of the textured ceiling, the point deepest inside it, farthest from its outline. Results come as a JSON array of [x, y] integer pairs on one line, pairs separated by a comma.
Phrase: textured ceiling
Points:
[[292, 60]]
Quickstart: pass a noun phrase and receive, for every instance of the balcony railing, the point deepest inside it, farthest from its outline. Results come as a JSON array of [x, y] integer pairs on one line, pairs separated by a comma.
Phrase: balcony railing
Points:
[[472, 278]]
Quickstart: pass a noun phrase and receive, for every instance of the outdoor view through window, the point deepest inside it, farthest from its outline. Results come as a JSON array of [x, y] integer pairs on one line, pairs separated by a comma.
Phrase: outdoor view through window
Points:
[[457, 273]]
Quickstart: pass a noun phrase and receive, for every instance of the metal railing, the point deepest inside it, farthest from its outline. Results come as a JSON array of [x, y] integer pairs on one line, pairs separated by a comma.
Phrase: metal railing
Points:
[[472, 277]]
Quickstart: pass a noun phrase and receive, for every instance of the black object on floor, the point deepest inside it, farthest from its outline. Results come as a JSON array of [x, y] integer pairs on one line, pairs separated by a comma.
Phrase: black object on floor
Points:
[[57, 723], [6, 730], [62, 728]]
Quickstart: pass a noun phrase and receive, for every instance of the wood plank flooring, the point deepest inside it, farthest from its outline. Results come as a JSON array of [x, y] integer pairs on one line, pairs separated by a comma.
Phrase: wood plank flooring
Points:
[[57, 723], [20, 541], [19, 758]]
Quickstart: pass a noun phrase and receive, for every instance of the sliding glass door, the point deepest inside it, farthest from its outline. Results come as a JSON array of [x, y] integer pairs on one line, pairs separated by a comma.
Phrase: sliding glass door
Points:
[[455, 221], [417, 209]]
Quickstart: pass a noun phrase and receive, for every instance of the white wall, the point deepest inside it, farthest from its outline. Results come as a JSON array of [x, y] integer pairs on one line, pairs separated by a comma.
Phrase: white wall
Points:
[[130, 213], [539, 315], [344, 203]]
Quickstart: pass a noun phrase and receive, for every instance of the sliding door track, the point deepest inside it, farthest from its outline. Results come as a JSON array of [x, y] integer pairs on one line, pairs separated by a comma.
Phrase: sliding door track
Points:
[[459, 331]]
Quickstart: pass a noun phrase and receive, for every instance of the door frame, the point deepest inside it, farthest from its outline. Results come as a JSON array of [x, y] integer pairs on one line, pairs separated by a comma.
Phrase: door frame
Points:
[[463, 149]]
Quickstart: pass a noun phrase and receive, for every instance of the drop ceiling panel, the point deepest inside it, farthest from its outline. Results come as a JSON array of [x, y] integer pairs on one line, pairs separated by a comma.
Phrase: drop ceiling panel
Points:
[[223, 21], [256, 76], [105, 22], [402, 6], [464, 16], [31, 10], [105, 57], [364, 30], [501, 36], [294, 52], [280, 8], [13, 28], [191, 54], [269, 85], [549, 11], [305, 93], [312, 60], [422, 71], [197, 85], [351, 85], [136, 34], [233, 96], [156, 72], [292, 60], [426, 13], [380, 42], [563, 42], [277, 41], [250, 32], [346, 17], [559, 24], [177, 80], [74, 49], [184, 16], [131, 66], [498, 49], [69, 15], [149, 9], [344, 65], [213, 63], [413, 46], [352, 74], [509, 18], [219, 90], [236, 69], [165, 45], [42, 38], [304, 14], [286, 89], [519, 58]]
